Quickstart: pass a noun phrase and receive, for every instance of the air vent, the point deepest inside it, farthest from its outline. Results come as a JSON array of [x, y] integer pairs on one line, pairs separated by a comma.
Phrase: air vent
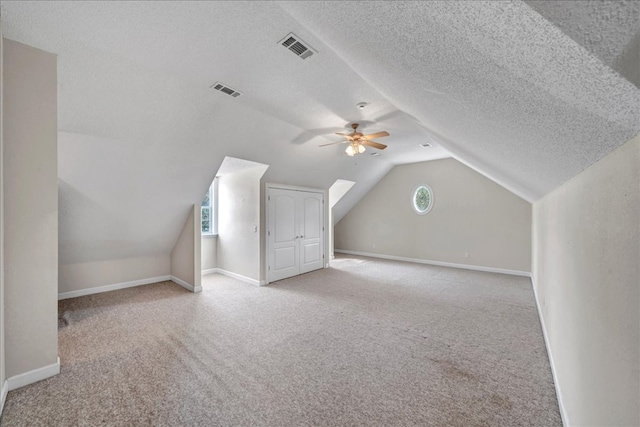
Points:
[[226, 89], [297, 46]]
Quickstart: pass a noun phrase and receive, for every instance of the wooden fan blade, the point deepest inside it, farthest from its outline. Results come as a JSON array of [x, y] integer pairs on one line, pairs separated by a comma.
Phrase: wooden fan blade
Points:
[[332, 143], [348, 135], [376, 135], [373, 144]]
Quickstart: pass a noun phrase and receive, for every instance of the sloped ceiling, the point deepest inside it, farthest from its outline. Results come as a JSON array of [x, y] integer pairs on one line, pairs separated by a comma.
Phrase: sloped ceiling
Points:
[[607, 29], [498, 85], [505, 89], [231, 165]]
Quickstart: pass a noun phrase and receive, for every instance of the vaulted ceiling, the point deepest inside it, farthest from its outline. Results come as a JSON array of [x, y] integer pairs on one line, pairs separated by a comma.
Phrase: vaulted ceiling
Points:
[[527, 93]]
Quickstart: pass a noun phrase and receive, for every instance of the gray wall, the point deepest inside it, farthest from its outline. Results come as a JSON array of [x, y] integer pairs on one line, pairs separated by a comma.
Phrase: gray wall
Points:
[[336, 192], [30, 208], [85, 275], [586, 258], [239, 223], [471, 214], [209, 249], [185, 256]]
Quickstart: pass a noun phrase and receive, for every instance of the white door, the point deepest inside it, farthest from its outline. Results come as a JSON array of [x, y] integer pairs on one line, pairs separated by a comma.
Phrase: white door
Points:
[[311, 228], [295, 232], [283, 235]]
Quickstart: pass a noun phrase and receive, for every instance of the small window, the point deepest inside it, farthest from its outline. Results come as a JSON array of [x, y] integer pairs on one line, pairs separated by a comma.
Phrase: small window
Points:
[[208, 210], [422, 199]]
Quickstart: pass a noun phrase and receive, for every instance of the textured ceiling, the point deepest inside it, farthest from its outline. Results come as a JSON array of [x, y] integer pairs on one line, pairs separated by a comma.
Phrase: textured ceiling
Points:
[[506, 89], [608, 29]]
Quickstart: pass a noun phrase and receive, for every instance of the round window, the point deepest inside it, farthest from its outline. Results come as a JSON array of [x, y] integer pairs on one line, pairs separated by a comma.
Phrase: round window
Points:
[[422, 199]]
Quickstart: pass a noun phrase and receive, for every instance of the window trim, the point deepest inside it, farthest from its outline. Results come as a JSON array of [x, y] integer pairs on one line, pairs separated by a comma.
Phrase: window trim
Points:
[[413, 199]]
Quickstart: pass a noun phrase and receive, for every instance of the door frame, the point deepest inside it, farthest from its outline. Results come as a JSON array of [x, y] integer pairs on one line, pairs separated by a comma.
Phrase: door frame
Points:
[[325, 218]]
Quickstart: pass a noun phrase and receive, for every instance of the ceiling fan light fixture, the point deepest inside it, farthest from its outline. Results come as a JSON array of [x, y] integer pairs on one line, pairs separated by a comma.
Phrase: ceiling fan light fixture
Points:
[[357, 141], [354, 149]]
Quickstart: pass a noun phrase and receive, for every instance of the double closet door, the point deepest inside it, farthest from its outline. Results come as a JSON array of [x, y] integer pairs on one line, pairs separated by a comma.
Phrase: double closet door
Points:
[[295, 232]]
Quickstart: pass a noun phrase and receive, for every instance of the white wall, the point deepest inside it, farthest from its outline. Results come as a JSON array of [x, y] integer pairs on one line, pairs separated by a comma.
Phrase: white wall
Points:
[[336, 192], [586, 258], [186, 254], [85, 275], [471, 214], [239, 222], [2, 356], [30, 208], [209, 249]]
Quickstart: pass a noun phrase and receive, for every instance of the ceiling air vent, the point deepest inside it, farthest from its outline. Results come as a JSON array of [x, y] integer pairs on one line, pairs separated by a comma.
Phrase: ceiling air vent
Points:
[[226, 89], [297, 46]]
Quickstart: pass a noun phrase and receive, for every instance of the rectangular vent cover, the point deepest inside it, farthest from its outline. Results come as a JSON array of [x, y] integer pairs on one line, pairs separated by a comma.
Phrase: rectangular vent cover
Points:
[[226, 89], [297, 46]]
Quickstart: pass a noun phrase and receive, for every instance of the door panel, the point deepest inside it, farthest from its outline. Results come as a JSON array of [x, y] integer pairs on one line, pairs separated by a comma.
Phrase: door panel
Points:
[[284, 215], [311, 253], [284, 247], [312, 214], [312, 236], [284, 258]]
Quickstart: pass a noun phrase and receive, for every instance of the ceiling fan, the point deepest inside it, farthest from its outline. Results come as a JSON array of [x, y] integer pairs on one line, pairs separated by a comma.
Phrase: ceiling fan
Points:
[[357, 141]]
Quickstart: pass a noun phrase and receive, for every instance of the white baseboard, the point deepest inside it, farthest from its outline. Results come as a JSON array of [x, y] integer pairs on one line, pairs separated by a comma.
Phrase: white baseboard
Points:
[[5, 390], [114, 287], [237, 276], [34, 376], [563, 412], [124, 285], [187, 286], [438, 263], [209, 271]]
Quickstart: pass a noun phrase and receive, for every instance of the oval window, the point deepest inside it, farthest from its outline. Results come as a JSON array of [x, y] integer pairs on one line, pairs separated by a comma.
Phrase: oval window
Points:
[[422, 199]]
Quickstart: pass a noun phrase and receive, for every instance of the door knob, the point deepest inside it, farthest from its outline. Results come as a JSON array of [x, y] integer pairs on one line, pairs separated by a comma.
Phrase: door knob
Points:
[[301, 237]]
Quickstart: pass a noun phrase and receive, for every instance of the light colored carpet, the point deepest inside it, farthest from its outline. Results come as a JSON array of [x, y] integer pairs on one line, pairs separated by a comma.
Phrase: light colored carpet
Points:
[[366, 342]]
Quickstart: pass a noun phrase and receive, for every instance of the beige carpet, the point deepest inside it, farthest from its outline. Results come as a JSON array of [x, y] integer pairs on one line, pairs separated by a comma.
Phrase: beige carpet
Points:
[[365, 343]]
